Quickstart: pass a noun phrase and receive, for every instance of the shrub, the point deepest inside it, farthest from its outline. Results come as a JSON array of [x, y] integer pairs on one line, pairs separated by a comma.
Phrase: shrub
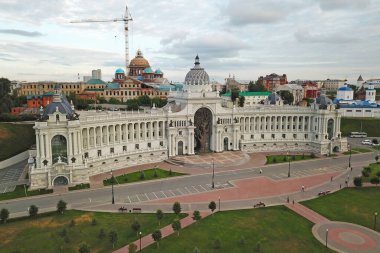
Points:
[[285, 159], [274, 159], [155, 173], [365, 173], [126, 178], [72, 223], [33, 211], [142, 175], [303, 156], [217, 244], [293, 157], [375, 180], [312, 155], [378, 174], [375, 141], [61, 206], [358, 181], [4, 215], [170, 172], [84, 248]]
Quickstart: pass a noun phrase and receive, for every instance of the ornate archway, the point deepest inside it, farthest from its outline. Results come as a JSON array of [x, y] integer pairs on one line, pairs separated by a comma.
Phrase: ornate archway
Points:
[[59, 149], [60, 180], [330, 128], [203, 130], [225, 143]]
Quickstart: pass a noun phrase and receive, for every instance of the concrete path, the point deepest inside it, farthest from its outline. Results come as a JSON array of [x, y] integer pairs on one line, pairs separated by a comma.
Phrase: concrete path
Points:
[[165, 231], [307, 213]]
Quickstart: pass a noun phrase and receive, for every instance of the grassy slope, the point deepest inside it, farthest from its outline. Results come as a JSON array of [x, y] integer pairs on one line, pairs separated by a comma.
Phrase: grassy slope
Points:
[[19, 192], [41, 234], [355, 205], [282, 158], [15, 138], [370, 126], [274, 227]]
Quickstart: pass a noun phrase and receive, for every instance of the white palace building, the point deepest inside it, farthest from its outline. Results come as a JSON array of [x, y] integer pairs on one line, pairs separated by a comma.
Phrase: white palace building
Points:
[[72, 146]]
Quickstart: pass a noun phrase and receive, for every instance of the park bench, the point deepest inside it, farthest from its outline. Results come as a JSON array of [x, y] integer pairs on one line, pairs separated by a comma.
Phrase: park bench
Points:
[[136, 210], [260, 204], [122, 209], [323, 193]]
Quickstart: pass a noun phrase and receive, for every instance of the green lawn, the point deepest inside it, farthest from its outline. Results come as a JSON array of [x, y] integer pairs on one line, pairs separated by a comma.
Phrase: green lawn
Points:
[[79, 187], [283, 159], [19, 192], [15, 138], [375, 168], [148, 175], [368, 125], [358, 151], [44, 234], [355, 205], [276, 228]]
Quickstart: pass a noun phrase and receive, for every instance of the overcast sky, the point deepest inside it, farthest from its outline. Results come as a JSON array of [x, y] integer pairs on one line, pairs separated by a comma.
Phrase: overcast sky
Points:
[[306, 39]]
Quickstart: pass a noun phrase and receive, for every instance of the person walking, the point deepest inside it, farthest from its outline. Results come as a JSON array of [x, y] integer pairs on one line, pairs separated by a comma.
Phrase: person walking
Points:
[[303, 188], [261, 171]]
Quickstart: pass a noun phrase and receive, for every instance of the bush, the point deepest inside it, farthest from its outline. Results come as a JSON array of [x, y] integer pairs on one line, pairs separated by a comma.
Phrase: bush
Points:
[[312, 155], [170, 172], [285, 159], [303, 156], [274, 159], [142, 175], [126, 178], [375, 141], [33, 211], [358, 181], [72, 223], [4, 215], [155, 173], [378, 174], [375, 180], [365, 173], [293, 157]]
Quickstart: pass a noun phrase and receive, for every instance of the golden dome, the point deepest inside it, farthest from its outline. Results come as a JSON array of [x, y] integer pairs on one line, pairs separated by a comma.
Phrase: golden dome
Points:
[[139, 61]]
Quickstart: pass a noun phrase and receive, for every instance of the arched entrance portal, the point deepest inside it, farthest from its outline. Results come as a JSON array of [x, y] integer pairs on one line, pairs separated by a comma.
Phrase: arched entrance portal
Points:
[[61, 180], [203, 130], [180, 148], [59, 149], [225, 142], [336, 149]]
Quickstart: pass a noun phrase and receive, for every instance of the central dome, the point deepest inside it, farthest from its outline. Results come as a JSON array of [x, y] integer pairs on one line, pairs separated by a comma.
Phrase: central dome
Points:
[[139, 61], [197, 75]]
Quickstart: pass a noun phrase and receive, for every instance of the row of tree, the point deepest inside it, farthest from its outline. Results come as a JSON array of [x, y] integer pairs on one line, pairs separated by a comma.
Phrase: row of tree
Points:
[[7, 100]]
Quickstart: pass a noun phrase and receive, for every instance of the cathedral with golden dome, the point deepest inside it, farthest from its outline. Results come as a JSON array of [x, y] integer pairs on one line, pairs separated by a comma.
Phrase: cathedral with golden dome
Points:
[[140, 69]]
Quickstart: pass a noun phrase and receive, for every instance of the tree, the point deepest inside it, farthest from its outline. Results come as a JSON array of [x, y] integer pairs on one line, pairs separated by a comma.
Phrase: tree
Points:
[[114, 101], [358, 181], [177, 208], [234, 94], [144, 100], [241, 101], [176, 225], [84, 248], [255, 87], [287, 96], [212, 206], [197, 215], [132, 104], [159, 215], [136, 227], [4, 215], [132, 248], [113, 238], [223, 91], [61, 206], [375, 141], [5, 87], [375, 180], [33, 211], [156, 235]]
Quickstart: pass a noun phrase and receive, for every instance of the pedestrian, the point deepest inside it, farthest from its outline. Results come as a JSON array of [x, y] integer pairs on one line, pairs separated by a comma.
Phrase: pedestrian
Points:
[[331, 178], [261, 171], [303, 188], [287, 199], [340, 186], [293, 201]]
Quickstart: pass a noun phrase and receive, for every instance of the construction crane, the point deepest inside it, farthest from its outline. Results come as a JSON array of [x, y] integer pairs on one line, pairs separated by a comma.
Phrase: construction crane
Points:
[[127, 17]]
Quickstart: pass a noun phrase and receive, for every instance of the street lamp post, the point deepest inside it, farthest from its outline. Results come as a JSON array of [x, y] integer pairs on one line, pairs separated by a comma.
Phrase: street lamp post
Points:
[[140, 240], [374, 224], [327, 235], [112, 179], [287, 157], [219, 203], [349, 158], [213, 174]]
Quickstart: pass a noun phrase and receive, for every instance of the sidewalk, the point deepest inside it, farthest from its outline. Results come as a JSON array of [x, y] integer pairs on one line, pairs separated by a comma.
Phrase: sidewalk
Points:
[[165, 231]]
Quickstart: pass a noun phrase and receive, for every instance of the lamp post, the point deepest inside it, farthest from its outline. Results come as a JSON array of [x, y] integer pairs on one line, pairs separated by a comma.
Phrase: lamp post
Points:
[[287, 157], [213, 174], [112, 179], [219, 203], [327, 235], [349, 158], [374, 224], [140, 240]]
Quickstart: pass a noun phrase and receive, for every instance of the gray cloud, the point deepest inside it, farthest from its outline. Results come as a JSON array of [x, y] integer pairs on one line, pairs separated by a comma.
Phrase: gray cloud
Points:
[[330, 5], [305, 36], [21, 32]]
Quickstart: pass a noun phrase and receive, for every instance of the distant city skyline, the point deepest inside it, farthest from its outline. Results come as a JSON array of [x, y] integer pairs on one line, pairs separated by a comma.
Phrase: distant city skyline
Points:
[[305, 39]]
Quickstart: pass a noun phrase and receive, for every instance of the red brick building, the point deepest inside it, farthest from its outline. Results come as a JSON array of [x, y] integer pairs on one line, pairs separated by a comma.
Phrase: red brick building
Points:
[[35, 101], [273, 80]]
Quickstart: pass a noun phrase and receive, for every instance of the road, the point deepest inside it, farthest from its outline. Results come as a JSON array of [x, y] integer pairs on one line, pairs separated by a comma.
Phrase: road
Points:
[[150, 190]]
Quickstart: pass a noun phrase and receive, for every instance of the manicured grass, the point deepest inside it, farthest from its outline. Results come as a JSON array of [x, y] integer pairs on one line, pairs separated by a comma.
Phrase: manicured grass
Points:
[[15, 138], [277, 229], [283, 159], [79, 187], [355, 205], [148, 175], [43, 233], [358, 151], [368, 125], [375, 168], [19, 192]]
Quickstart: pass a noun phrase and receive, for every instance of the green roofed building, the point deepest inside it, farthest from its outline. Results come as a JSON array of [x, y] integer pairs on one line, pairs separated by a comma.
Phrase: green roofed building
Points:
[[251, 98]]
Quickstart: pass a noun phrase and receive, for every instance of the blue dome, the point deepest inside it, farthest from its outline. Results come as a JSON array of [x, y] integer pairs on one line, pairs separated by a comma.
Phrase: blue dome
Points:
[[158, 72], [140, 78], [148, 70], [119, 71], [344, 88]]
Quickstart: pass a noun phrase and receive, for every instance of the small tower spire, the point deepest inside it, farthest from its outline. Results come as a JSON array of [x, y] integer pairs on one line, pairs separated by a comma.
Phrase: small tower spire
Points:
[[197, 63]]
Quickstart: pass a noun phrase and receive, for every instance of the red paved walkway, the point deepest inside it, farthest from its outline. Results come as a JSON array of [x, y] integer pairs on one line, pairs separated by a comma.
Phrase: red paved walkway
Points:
[[253, 188], [165, 231], [307, 213]]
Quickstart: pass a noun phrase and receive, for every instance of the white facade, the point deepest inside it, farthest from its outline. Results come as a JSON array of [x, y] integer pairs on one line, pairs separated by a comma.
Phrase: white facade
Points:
[[345, 93], [370, 94], [70, 149]]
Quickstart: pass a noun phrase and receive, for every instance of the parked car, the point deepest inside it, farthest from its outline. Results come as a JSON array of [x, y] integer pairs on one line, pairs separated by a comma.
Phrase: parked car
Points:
[[367, 142]]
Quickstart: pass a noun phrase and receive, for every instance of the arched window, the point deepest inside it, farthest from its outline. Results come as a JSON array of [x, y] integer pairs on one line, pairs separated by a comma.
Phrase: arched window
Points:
[[59, 149]]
